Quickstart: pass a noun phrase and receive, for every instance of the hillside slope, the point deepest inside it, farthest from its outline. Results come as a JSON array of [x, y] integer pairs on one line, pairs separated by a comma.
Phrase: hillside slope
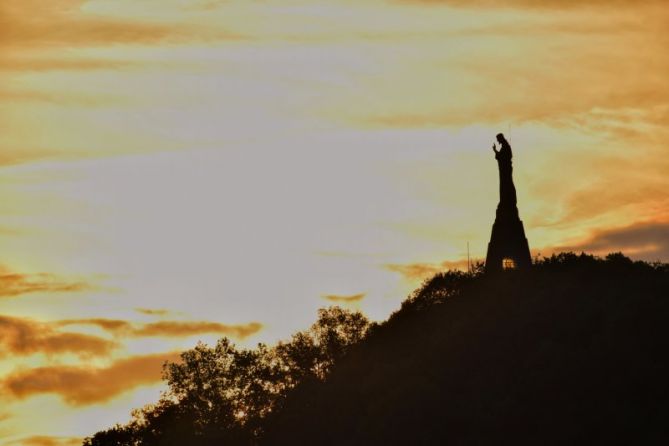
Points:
[[573, 351]]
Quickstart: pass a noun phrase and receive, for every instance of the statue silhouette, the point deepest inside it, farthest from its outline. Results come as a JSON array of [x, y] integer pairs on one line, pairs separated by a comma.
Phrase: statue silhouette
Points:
[[507, 191], [508, 247]]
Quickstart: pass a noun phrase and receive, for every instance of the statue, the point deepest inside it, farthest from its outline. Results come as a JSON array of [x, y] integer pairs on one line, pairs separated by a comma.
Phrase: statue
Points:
[[507, 191], [508, 247]]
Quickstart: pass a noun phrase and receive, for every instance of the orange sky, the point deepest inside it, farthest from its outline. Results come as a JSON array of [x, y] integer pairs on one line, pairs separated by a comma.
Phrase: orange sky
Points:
[[176, 170]]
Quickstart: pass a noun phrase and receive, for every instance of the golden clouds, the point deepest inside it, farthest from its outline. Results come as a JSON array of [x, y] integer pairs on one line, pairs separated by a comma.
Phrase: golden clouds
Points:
[[188, 328], [281, 145], [345, 299], [152, 311], [35, 64], [538, 4], [81, 385], [45, 440], [422, 271], [25, 336], [15, 284], [116, 326], [34, 24], [167, 329], [61, 23]]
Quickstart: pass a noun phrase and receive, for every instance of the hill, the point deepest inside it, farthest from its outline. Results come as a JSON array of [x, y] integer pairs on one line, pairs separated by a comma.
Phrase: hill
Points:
[[572, 351]]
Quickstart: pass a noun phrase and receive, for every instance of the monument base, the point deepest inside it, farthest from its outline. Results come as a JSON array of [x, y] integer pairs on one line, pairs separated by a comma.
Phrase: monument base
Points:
[[508, 247]]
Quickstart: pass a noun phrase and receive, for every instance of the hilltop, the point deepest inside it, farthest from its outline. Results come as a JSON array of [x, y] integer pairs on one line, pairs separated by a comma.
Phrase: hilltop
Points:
[[572, 351]]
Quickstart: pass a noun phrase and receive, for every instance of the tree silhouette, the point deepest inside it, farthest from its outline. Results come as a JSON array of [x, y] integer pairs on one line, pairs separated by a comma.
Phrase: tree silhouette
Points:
[[570, 351], [222, 394]]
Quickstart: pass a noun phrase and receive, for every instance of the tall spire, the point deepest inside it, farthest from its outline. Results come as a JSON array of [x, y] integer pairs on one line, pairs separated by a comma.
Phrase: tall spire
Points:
[[508, 247]]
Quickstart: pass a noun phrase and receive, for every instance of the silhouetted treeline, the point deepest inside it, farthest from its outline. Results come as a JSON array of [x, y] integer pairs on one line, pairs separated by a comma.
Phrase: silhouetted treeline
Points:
[[572, 351], [223, 395]]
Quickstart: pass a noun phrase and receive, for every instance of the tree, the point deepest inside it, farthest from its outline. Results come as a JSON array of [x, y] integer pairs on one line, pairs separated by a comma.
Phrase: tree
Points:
[[223, 394]]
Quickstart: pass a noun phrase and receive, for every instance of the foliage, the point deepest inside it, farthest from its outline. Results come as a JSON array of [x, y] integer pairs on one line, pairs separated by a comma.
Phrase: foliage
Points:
[[571, 351], [222, 394]]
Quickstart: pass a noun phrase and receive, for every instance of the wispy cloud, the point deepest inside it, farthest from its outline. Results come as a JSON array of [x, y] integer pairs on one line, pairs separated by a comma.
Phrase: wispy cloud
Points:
[[60, 23], [186, 328], [15, 284], [168, 329], [25, 336], [422, 271], [345, 299], [116, 326], [537, 4], [46, 64], [45, 440], [153, 311], [80, 385]]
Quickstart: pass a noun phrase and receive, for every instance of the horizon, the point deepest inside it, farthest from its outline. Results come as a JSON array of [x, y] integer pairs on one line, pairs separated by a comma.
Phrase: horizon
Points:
[[180, 171]]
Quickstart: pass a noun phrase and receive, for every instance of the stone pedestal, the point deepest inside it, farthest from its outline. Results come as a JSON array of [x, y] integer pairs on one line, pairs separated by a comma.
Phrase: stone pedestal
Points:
[[508, 244]]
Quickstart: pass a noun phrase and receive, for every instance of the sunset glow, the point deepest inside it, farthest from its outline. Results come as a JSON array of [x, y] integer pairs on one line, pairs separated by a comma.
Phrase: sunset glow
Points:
[[174, 171]]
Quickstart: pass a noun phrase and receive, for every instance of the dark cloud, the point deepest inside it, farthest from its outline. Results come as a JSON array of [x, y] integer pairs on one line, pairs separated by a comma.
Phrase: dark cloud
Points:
[[14, 284], [20, 336], [345, 299], [644, 240], [80, 385]]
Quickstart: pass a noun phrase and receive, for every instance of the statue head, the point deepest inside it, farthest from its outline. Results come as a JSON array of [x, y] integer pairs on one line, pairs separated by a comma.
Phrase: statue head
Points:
[[501, 139]]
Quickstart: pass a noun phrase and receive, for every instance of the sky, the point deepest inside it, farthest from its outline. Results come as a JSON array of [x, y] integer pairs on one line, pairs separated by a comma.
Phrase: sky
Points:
[[174, 171]]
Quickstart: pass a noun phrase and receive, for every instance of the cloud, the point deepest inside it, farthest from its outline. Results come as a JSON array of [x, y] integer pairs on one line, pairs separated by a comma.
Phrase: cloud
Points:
[[186, 328], [24, 155], [22, 336], [116, 326], [422, 271], [25, 336], [34, 23], [31, 22], [80, 385], [536, 4], [345, 299], [45, 64], [14, 284], [44, 440], [152, 311], [643, 240], [617, 93], [166, 328], [622, 184]]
